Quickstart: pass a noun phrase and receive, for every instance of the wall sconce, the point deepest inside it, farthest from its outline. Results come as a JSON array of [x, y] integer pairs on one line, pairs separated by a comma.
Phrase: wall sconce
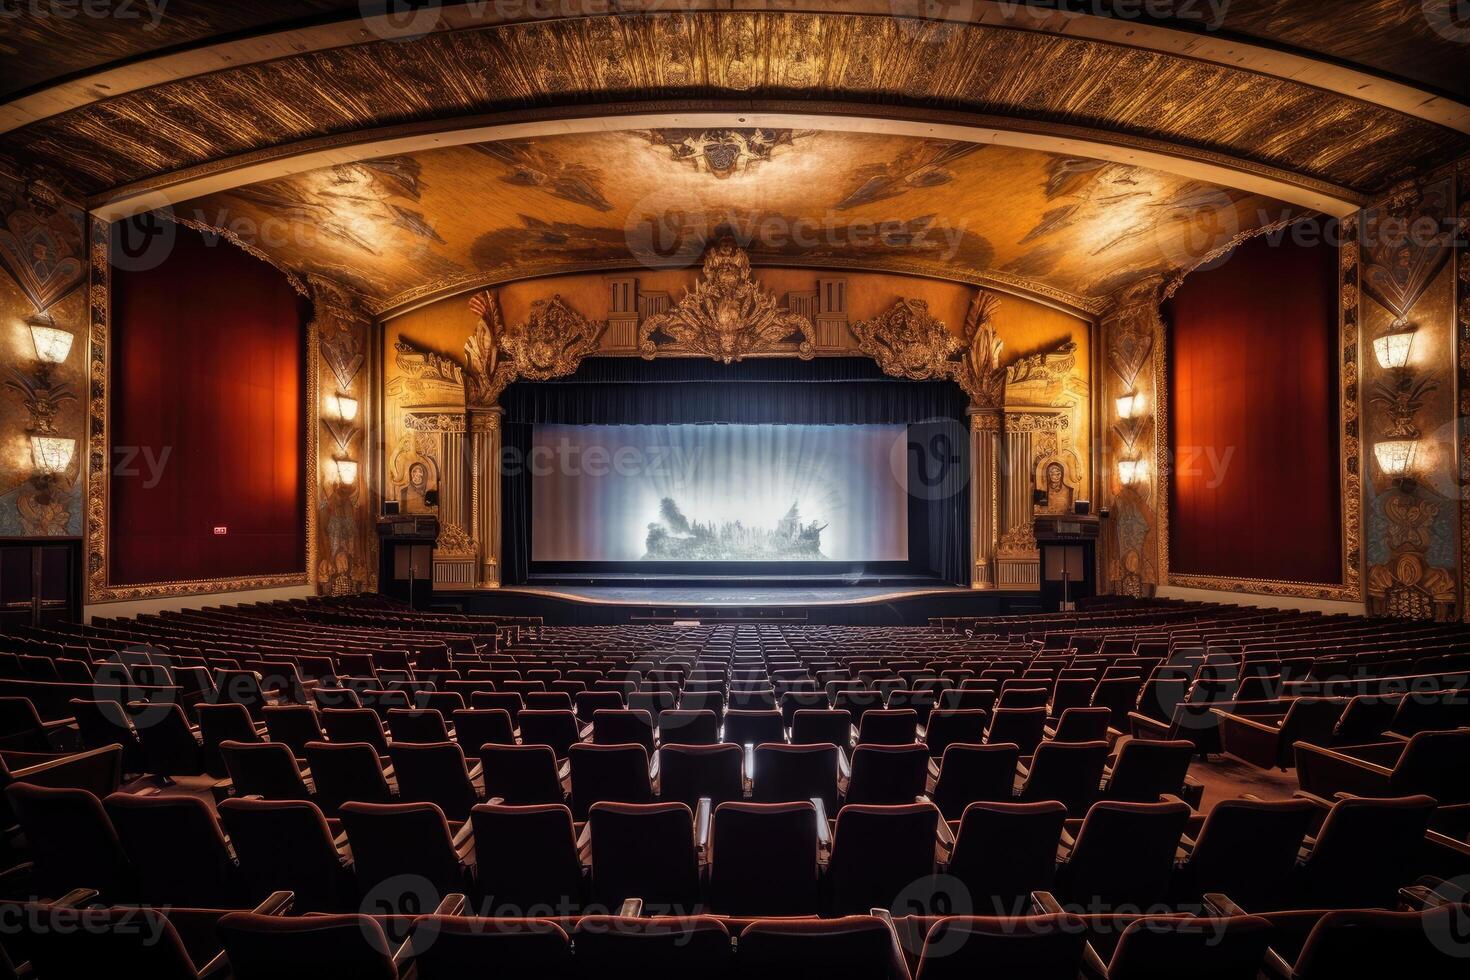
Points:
[[52, 454], [53, 344], [1130, 405], [1396, 459], [345, 406], [346, 471], [1131, 471], [1392, 349]]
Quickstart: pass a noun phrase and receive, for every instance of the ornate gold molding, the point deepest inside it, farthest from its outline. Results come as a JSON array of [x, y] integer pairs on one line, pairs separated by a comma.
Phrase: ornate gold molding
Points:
[[907, 341], [728, 315], [553, 341]]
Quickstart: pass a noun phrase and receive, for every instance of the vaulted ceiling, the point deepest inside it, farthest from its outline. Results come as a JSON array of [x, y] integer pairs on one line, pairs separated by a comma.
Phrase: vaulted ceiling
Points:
[[1024, 145]]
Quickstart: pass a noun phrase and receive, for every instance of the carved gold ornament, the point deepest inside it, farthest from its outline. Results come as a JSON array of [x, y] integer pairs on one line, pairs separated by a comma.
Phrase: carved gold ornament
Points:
[[981, 375], [728, 315], [482, 381], [550, 344], [907, 341]]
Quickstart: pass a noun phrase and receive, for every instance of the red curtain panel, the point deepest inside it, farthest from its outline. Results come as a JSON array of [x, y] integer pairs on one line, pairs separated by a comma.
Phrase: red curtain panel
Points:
[[1253, 416], [208, 417]]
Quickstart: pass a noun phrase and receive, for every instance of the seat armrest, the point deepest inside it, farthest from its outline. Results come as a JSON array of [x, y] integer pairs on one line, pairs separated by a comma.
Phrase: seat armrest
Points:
[[564, 770], [477, 771], [276, 903], [1045, 903], [824, 831], [1222, 906], [76, 898], [465, 832], [631, 908], [942, 833], [1323, 772], [1313, 798], [897, 963], [653, 769], [452, 904], [586, 732], [702, 817], [933, 769]]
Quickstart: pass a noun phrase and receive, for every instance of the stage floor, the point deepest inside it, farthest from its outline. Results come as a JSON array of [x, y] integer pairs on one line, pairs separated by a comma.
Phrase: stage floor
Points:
[[733, 595]]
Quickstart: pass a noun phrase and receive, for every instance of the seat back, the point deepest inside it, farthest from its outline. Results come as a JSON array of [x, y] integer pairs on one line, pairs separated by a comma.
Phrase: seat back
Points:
[[1152, 947], [950, 726], [644, 851], [878, 854], [1435, 764], [434, 773], [752, 727], [616, 773], [99, 942], [1083, 725], [1023, 727], [346, 771], [417, 726], [689, 772], [269, 947], [1363, 943], [1124, 855], [623, 726], [287, 846], [454, 947], [355, 725], [265, 769], [814, 726], [1068, 772], [526, 859], [1363, 851], [971, 773], [1247, 849], [556, 728], [659, 949], [764, 859], [403, 854], [1145, 770], [1044, 947], [689, 726], [294, 725], [474, 727], [791, 773], [178, 849], [72, 842], [889, 727], [521, 775], [858, 947], [1005, 851], [887, 774]]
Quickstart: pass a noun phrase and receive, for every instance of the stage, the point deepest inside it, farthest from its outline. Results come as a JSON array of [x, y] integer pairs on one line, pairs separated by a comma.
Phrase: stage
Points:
[[738, 601]]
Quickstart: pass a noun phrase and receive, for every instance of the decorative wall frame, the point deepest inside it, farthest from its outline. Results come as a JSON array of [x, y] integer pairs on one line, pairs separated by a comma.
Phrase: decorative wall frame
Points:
[[99, 588]]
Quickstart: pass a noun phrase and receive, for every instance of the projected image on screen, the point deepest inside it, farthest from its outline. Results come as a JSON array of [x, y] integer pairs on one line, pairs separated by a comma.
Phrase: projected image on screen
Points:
[[710, 493]]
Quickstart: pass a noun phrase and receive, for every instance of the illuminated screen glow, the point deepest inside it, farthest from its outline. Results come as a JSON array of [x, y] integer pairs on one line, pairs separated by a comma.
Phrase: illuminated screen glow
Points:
[[630, 493]]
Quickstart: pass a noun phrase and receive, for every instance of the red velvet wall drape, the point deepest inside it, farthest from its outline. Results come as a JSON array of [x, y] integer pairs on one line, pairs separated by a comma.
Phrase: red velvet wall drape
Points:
[[1253, 416], [208, 418]]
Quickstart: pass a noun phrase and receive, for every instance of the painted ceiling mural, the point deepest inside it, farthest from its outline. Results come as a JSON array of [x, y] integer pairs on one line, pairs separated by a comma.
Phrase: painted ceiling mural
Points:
[[406, 227]]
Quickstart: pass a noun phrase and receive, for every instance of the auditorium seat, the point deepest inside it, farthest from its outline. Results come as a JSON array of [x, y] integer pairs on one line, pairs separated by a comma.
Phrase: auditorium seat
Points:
[[888, 727], [615, 773], [949, 726], [343, 771], [72, 842], [1022, 727], [887, 774], [287, 846], [859, 947], [405, 856], [278, 947], [880, 853], [1141, 771], [558, 729], [1005, 851], [753, 727], [104, 723], [522, 775], [1041, 947], [356, 725], [1068, 772], [178, 849], [1269, 741], [623, 726], [526, 859], [763, 859], [171, 746], [689, 726], [294, 725], [264, 769], [646, 851], [811, 726], [971, 773], [1153, 947], [789, 773], [1367, 943], [474, 727], [1247, 849], [417, 726], [511, 704], [1081, 725], [689, 773], [1123, 855], [1359, 857], [435, 773], [21, 728], [652, 948], [1433, 764]]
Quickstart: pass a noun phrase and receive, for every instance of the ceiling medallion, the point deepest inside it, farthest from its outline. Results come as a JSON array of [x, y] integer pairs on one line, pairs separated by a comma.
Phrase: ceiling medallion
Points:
[[728, 315], [722, 153]]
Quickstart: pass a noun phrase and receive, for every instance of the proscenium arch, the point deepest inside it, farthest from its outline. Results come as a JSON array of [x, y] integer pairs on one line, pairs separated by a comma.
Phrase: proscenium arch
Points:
[[285, 161]]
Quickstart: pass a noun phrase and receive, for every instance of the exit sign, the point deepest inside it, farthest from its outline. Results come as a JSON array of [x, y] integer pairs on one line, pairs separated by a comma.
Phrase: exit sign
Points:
[[221, 530]]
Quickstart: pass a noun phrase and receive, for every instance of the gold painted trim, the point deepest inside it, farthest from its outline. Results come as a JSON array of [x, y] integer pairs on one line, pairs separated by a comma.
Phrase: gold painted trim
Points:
[[98, 514], [1350, 588], [1231, 51], [274, 162]]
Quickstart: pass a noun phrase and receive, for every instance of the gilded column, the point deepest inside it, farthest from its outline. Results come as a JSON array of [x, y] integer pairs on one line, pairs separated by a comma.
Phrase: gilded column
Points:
[[485, 448], [984, 495], [454, 504]]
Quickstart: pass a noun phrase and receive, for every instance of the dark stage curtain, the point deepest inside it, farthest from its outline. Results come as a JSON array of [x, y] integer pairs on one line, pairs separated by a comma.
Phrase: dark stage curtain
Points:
[[207, 417], [823, 391], [1253, 416]]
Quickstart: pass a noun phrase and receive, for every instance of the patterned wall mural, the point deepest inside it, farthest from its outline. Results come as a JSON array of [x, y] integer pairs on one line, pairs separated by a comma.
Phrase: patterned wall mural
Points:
[[43, 255]]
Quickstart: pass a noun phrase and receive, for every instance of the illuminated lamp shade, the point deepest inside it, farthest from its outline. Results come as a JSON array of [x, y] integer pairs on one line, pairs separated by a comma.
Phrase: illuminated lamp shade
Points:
[[346, 471], [1396, 458], [345, 406], [52, 343], [1130, 405], [1131, 471], [1392, 350], [52, 454]]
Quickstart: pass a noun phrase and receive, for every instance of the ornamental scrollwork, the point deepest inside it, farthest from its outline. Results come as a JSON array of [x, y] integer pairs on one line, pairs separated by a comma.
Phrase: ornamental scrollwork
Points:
[[728, 315]]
